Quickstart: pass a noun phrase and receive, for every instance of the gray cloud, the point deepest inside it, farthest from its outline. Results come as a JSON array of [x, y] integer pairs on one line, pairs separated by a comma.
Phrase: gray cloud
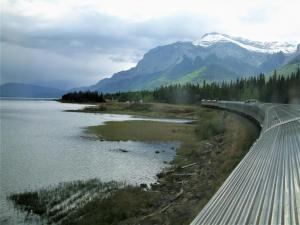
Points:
[[86, 46]]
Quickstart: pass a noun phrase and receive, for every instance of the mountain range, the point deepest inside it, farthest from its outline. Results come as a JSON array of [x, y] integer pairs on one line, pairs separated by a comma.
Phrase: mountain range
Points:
[[28, 91], [214, 57]]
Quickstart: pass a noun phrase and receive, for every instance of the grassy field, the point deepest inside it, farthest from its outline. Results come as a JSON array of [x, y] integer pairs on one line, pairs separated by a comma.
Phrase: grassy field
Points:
[[210, 149]]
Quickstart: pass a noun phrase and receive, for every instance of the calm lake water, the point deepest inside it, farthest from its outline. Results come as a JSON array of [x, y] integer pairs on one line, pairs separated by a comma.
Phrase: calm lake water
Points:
[[42, 145]]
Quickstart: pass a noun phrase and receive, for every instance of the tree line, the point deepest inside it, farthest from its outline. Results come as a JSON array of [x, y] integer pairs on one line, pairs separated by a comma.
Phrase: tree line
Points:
[[83, 97], [276, 88]]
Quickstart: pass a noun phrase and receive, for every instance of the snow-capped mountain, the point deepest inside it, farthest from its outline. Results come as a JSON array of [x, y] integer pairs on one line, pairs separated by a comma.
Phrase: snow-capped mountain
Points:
[[210, 39], [214, 57]]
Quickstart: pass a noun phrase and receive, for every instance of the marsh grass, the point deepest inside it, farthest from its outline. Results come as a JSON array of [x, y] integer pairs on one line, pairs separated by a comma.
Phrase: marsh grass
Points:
[[57, 203], [139, 130], [210, 125], [124, 204]]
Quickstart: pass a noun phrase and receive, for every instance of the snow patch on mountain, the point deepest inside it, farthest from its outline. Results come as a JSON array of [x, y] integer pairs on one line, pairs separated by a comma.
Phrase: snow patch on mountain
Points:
[[254, 46]]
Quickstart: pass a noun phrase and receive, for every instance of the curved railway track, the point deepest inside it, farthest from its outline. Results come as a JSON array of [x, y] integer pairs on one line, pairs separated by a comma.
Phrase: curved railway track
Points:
[[265, 187]]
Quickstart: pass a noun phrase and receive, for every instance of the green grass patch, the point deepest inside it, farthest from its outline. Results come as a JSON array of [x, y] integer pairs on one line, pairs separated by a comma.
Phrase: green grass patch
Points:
[[139, 130], [210, 125]]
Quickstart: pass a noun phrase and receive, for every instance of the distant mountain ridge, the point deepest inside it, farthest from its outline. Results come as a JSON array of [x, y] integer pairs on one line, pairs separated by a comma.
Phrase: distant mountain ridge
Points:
[[28, 91], [214, 57]]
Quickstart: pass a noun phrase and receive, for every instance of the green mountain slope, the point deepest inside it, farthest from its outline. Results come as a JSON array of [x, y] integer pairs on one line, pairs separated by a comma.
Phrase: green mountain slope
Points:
[[289, 68], [194, 76]]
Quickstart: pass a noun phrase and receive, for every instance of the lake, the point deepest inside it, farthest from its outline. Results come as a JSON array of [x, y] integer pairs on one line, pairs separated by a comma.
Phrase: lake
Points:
[[43, 145]]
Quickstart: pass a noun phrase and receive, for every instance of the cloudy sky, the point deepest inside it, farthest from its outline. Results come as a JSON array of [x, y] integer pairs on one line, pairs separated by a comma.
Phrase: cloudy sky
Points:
[[67, 43]]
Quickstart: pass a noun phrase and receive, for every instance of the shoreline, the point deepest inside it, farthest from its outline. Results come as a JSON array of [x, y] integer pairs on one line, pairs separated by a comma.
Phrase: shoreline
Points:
[[190, 180], [151, 110]]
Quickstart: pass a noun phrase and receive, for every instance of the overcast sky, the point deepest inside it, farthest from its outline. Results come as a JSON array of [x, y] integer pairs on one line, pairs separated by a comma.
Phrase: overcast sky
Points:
[[69, 43]]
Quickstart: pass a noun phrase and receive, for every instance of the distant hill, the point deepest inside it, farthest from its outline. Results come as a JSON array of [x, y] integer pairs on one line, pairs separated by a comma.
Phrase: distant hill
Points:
[[214, 57], [28, 91], [291, 67]]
